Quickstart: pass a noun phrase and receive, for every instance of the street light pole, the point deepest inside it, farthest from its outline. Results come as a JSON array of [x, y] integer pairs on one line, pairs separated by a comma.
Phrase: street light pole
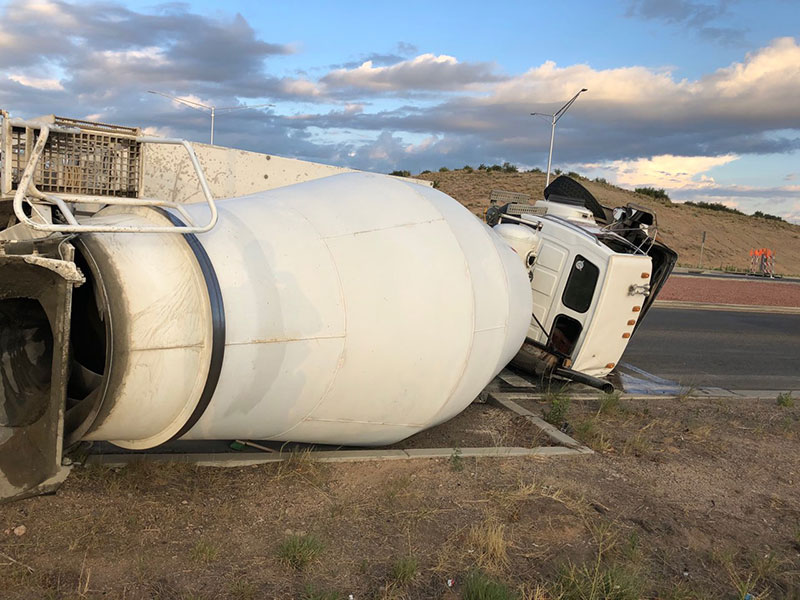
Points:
[[200, 106], [213, 110], [554, 119]]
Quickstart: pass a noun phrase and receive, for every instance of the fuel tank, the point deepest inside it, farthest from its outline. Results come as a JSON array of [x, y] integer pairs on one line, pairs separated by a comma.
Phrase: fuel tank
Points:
[[354, 309]]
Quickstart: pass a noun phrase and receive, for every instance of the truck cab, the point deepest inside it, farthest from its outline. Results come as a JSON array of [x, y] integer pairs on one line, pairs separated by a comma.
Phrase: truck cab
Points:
[[594, 273]]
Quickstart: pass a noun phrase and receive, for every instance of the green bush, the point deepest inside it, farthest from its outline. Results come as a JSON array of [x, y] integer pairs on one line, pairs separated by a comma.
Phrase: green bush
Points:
[[558, 407], [401, 173], [509, 168], [443, 170], [714, 206], [467, 169], [658, 194], [762, 215]]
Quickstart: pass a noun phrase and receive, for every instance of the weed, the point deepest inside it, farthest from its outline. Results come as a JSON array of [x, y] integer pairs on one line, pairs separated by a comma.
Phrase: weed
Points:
[[479, 586], [204, 552], [638, 445], [632, 549], [686, 391], [456, 460], [533, 592], [241, 589], [557, 409], [597, 582], [510, 500], [488, 538], [785, 400], [311, 593], [396, 488], [609, 403], [404, 570], [299, 551], [587, 432], [300, 464]]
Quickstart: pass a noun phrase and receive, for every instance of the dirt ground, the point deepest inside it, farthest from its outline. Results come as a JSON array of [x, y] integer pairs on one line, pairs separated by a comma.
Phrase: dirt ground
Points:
[[729, 237], [683, 498], [731, 291]]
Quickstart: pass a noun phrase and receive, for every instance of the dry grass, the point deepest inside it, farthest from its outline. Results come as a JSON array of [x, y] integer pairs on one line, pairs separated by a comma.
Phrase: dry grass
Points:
[[488, 541]]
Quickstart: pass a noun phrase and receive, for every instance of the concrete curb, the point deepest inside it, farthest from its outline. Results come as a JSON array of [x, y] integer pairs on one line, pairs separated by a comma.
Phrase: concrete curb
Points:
[[778, 310], [246, 459], [698, 394]]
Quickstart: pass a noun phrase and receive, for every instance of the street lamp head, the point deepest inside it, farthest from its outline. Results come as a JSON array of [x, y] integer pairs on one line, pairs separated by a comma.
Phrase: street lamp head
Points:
[[585, 90]]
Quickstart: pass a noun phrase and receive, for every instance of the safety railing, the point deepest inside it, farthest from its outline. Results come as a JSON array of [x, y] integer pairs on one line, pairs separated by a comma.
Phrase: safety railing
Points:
[[27, 193]]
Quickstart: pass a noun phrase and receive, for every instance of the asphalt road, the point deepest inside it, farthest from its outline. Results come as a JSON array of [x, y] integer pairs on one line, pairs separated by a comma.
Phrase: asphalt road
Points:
[[731, 350]]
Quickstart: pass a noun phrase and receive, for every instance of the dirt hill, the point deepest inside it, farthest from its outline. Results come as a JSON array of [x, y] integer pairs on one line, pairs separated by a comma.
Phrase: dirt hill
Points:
[[729, 236]]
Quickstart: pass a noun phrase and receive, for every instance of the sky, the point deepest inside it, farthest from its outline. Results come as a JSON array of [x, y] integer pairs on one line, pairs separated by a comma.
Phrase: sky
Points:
[[701, 98]]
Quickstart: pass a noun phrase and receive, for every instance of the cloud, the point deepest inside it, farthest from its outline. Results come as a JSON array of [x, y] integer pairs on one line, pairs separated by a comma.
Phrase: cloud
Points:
[[399, 107], [664, 171], [697, 16], [38, 83], [424, 72]]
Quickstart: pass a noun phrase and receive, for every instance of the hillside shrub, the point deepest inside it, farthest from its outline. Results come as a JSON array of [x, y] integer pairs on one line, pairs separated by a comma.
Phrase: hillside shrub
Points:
[[762, 215], [601, 180], [718, 206], [509, 168], [657, 193], [401, 173], [443, 170], [574, 175], [467, 169]]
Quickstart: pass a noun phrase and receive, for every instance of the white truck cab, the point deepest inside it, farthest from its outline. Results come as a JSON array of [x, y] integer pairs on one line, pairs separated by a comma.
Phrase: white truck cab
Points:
[[594, 273]]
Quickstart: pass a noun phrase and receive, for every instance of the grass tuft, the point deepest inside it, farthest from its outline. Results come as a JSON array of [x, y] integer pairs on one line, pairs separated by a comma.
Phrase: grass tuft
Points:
[[312, 593], [785, 400], [404, 570], [299, 551], [204, 552], [609, 403], [598, 582], [456, 461], [479, 586]]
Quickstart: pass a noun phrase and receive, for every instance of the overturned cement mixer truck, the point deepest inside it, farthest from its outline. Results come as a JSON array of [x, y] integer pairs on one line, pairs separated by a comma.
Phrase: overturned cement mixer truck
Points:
[[313, 304]]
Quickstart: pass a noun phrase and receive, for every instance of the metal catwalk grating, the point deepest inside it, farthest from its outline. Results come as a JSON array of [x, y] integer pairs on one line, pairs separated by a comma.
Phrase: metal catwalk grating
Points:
[[91, 162]]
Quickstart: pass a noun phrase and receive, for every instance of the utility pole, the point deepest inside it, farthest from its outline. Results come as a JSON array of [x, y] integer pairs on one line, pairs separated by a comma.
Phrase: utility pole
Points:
[[555, 117], [200, 106], [702, 247]]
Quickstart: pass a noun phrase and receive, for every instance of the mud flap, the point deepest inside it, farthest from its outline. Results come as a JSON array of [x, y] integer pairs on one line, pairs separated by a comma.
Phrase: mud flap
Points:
[[35, 308]]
